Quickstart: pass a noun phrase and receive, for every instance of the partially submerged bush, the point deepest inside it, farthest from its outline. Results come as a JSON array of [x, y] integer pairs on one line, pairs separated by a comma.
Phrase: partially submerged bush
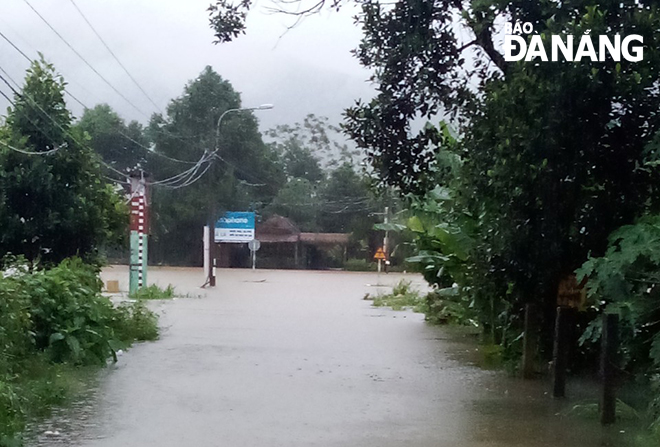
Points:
[[51, 321], [153, 292], [441, 306], [449, 306], [403, 296], [136, 322]]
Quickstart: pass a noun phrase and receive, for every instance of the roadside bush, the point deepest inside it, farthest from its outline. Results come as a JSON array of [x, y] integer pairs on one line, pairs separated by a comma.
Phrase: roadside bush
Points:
[[449, 306], [403, 296], [52, 322], [134, 322], [70, 320], [625, 281], [153, 292]]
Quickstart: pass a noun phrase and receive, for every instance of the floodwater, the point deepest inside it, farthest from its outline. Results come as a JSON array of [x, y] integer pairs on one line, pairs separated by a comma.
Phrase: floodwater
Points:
[[298, 358]]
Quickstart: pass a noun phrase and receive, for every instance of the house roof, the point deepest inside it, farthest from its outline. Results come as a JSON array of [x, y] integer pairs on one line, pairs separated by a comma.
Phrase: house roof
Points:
[[324, 238], [279, 229], [276, 225]]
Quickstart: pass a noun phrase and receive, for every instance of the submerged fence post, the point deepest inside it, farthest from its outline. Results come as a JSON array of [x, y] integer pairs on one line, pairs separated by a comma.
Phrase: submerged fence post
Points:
[[529, 341], [560, 351], [608, 359]]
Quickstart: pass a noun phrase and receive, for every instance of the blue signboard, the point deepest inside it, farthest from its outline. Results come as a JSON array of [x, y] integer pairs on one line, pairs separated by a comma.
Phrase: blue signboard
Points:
[[235, 226]]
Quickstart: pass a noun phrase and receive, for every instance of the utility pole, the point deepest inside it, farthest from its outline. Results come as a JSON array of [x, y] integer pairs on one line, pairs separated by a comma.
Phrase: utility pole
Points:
[[210, 281], [139, 232], [386, 220], [212, 247]]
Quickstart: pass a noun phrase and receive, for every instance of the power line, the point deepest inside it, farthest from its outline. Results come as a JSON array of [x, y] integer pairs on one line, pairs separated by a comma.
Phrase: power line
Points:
[[52, 151], [31, 61], [87, 108], [23, 151], [185, 178], [190, 182], [85, 60], [113, 55], [153, 152], [15, 47], [170, 182], [34, 104], [3, 94]]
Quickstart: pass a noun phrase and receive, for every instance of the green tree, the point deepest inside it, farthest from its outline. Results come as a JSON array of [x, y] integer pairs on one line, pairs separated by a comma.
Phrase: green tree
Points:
[[347, 202], [244, 175], [299, 201], [116, 143], [55, 205]]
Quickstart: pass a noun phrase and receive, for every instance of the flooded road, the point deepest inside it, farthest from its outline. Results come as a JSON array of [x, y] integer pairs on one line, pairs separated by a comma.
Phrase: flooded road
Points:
[[275, 358]]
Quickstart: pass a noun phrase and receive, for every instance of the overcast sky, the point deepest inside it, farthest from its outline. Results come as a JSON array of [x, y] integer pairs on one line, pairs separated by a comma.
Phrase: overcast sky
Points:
[[166, 43]]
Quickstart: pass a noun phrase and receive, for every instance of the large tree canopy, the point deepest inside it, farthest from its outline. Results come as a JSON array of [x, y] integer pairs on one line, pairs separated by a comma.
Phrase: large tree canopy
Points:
[[123, 146], [53, 205], [243, 175]]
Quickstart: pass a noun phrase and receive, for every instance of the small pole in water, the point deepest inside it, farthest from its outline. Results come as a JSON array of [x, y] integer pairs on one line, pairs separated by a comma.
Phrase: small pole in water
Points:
[[560, 352], [609, 346], [529, 341], [254, 259]]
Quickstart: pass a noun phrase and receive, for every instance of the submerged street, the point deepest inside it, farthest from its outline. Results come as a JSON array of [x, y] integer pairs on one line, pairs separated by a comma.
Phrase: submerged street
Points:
[[298, 358]]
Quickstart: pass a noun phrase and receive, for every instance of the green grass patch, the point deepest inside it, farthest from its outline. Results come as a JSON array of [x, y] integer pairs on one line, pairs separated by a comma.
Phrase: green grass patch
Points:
[[153, 292], [136, 322], [403, 297]]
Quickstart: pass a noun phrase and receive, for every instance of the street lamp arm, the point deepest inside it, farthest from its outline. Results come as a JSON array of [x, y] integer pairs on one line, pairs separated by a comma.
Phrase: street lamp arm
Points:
[[226, 112], [211, 227], [217, 127]]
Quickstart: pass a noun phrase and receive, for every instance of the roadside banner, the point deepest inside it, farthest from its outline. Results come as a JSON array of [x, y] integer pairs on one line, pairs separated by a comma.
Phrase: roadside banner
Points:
[[235, 226]]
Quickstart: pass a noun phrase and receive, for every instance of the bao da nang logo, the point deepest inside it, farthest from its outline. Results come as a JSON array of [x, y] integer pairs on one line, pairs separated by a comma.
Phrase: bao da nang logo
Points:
[[594, 48]]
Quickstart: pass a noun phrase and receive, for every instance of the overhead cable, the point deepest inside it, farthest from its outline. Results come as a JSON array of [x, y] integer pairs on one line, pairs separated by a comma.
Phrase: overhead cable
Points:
[[107, 47], [81, 57], [23, 151]]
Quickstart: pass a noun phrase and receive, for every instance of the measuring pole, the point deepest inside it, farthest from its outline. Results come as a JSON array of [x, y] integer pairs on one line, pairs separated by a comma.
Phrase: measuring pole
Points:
[[207, 250], [212, 255], [139, 233], [386, 220]]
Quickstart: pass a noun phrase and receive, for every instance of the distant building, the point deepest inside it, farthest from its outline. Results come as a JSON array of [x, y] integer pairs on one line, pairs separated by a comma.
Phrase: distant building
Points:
[[284, 246]]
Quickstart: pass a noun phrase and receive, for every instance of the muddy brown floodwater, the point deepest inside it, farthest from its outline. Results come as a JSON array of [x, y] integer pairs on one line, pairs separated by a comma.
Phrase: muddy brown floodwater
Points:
[[298, 358]]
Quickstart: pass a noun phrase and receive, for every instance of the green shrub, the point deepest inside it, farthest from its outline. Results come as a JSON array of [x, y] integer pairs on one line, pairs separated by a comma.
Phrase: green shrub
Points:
[[153, 292], [71, 320], [403, 296], [52, 322], [449, 306], [136, 323]]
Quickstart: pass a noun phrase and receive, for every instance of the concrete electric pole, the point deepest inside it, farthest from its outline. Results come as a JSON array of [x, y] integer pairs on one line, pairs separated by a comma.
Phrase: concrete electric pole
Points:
[[139, 232]]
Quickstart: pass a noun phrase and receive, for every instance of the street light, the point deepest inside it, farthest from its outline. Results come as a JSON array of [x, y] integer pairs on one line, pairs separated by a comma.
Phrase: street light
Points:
[[211, 279], [226, 112]]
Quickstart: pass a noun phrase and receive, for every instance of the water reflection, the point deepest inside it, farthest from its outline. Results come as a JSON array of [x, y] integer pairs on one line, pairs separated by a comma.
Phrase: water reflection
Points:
[[240, 368]]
